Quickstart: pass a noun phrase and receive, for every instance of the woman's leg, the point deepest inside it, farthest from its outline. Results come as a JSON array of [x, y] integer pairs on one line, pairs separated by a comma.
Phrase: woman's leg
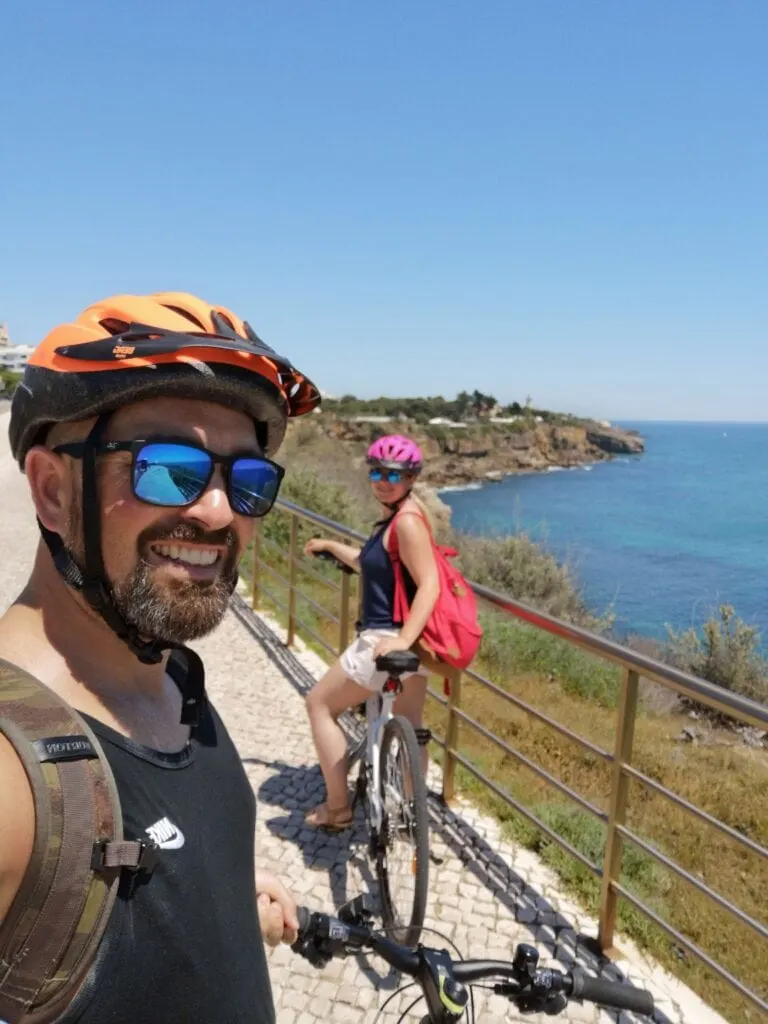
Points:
[[410, 703], [326, 701]]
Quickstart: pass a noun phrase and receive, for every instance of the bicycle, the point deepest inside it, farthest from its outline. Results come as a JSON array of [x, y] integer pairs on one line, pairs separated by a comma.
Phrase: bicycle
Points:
[[447, 984], [392, 790]]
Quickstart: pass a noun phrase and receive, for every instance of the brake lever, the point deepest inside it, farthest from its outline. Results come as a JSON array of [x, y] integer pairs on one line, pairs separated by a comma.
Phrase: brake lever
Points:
[[534, 990], [532, 1000], [358, 911], [313, 953], [549, 1003]]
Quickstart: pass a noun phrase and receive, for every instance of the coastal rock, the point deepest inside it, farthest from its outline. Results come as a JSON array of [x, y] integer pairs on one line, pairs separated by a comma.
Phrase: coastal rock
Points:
[[614, 441]]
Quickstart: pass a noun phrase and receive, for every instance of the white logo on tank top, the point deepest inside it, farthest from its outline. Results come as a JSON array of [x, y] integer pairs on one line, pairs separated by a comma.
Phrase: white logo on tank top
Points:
[[166, 835]]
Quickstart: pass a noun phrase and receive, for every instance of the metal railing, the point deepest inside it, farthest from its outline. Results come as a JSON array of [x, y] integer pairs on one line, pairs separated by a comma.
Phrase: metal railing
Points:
[[634, 666]]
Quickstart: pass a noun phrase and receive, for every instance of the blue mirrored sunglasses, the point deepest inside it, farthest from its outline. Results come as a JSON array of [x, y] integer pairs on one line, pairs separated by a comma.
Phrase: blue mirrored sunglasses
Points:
[[392, 476], [175, 473]]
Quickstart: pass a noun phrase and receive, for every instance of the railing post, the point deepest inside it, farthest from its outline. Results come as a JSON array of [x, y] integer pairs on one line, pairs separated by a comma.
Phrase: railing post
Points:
[[256, 565], [451, 738], [344, 612], [625, 733], [292, 580]]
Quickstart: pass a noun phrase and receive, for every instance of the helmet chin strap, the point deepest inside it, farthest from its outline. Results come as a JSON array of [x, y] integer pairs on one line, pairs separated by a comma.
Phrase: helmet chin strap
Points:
[[93, 584], [394, 506]]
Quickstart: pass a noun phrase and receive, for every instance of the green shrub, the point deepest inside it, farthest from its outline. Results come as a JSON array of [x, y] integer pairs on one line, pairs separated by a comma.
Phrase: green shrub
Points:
[[640, 873], [510, 647], [726, 652], [518, 566]]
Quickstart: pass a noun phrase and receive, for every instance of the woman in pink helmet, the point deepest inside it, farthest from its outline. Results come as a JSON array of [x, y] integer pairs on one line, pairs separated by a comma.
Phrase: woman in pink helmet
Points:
[[394, 462]]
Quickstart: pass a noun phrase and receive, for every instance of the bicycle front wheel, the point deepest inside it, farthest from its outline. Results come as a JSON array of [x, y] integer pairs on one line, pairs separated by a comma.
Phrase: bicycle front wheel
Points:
[[402, 856]]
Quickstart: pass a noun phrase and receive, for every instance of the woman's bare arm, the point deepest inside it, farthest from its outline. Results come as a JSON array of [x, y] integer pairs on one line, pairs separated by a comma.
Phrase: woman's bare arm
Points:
[[415, 547]]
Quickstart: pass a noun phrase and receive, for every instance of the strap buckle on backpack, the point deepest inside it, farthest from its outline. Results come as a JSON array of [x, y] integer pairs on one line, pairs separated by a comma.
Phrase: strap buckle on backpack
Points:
[[133, 855]]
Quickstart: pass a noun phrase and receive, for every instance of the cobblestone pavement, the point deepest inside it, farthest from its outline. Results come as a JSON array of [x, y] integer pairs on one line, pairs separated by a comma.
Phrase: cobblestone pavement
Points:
[[485, 894]]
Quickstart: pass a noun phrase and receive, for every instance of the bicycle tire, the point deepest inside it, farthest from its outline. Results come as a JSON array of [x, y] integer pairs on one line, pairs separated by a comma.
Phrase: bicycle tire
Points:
[[405, 932]]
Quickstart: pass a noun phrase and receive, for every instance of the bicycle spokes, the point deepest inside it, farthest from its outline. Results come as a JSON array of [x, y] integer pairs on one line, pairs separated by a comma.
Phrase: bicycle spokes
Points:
[[402, 861]]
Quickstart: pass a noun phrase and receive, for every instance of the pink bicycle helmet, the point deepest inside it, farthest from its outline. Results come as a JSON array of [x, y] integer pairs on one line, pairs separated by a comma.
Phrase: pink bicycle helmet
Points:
[[396, 452]]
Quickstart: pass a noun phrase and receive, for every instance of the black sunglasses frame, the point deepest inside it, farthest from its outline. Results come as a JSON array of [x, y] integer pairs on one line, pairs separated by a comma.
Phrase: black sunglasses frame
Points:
[[76, 449]]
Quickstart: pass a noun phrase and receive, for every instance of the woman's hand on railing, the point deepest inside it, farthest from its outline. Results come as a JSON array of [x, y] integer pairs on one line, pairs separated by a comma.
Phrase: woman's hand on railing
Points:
[[344, 555], [315, 546]]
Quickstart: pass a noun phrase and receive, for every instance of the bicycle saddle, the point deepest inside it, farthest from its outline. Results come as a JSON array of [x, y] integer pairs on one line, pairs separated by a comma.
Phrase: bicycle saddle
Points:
[[398, 663]]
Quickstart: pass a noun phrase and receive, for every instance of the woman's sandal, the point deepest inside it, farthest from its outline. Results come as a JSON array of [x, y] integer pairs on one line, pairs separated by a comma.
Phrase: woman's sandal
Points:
[[331, 820]]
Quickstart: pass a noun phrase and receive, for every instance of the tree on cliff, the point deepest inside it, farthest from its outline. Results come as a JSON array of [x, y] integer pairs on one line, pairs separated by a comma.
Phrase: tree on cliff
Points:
[[482, 405]]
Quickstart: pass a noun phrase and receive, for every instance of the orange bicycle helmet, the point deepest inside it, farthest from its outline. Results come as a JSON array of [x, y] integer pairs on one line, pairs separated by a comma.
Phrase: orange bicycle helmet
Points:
[[130, 347]]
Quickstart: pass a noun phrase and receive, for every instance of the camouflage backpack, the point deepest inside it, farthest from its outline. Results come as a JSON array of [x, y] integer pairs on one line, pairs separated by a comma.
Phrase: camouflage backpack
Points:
[[50, 936]]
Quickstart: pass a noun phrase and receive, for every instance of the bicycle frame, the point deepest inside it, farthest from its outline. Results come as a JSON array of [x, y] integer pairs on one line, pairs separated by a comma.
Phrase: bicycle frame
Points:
[[378, 713]]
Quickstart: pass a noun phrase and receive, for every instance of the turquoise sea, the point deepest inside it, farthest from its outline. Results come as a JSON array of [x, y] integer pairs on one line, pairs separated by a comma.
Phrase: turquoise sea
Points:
[[662, 537]]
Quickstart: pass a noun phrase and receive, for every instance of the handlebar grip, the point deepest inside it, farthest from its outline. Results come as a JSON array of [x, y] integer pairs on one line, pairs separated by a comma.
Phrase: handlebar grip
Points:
[[328, 557], [304, 914], [612, 993]]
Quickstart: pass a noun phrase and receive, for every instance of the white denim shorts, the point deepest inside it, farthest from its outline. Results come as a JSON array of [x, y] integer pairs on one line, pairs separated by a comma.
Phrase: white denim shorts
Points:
[[359, 664]]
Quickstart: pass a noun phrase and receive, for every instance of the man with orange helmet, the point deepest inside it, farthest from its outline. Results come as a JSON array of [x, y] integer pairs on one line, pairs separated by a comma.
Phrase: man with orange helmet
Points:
[[146, 429]]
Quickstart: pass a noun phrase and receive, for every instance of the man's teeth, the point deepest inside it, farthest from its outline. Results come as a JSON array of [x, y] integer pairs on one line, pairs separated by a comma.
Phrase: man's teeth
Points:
[[192, 556]]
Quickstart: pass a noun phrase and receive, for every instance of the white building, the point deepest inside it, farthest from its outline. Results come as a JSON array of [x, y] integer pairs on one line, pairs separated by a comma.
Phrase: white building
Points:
[[12, 357], [441, 421]]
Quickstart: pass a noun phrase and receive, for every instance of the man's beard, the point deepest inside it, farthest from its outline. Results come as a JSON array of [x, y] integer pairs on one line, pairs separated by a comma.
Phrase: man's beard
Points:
[[173, 610]]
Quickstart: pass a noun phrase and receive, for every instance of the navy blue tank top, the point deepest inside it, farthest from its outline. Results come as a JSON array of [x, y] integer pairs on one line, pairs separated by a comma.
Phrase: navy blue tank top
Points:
[[182, 944], [378, 582]]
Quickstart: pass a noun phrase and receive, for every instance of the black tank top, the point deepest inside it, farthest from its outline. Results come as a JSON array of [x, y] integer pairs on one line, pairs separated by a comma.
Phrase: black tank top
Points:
[[378, 582], [183, 944]]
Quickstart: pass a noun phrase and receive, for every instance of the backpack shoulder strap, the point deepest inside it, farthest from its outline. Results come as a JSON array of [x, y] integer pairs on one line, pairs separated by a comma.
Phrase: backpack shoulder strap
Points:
[[51, 932], [393, 548]]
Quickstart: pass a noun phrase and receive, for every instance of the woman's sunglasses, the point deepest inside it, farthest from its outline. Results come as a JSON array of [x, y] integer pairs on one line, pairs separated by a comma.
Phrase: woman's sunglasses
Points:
[[174, 473], [392, 476]]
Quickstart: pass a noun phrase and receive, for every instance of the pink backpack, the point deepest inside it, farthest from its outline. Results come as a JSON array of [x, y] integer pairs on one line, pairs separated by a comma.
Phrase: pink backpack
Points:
[[452, 633]]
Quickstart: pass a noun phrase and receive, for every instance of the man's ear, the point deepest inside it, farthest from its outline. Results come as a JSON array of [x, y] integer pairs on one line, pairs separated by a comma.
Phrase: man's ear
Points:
[[50, 487]]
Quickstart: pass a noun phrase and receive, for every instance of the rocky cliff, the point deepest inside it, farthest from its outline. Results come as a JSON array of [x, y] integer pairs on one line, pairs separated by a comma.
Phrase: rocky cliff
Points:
[[483, 452]]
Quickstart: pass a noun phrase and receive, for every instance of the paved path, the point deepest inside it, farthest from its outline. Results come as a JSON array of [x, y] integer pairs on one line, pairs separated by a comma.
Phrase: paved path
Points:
[[485, 894]]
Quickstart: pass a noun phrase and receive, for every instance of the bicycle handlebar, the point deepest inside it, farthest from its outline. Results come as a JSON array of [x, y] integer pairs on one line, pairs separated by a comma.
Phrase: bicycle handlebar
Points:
[[442, 980], [328, 557], [597, 990]]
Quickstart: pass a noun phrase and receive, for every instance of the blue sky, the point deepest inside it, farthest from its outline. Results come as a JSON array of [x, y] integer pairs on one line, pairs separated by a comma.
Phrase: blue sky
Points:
[[567, 199]]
